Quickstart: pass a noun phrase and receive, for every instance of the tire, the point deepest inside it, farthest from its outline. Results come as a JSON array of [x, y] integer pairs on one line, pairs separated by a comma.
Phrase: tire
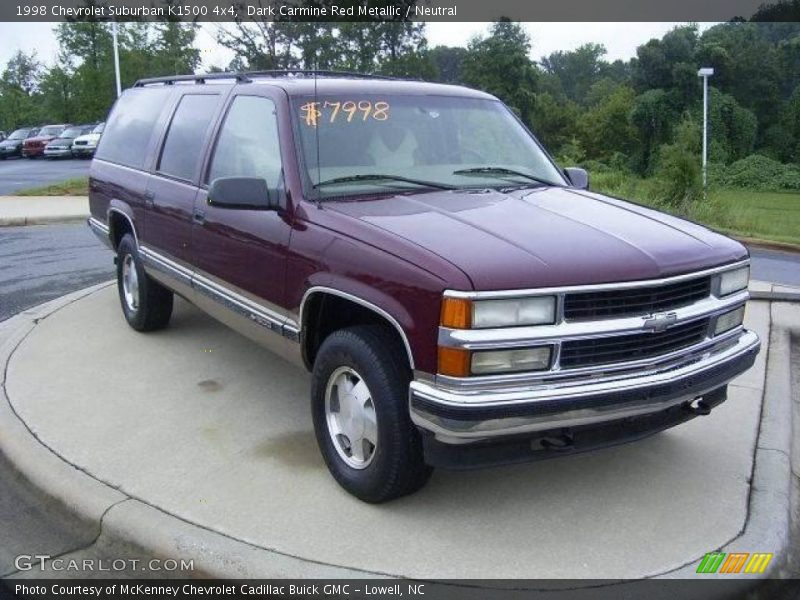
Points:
[[395, 466], [146, 304]]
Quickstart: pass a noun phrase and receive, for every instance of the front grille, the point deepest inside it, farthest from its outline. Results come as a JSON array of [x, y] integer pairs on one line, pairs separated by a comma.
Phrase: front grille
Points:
[[626, 348], [580, 306]]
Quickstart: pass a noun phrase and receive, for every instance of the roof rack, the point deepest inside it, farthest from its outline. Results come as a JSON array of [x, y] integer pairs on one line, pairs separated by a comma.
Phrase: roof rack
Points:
[[245, 77], [170, 79]]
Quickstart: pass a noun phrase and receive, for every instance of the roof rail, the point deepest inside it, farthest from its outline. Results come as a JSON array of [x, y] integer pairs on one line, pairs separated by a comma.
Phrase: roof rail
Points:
[[315, 72], [245, 77], [202, 78]]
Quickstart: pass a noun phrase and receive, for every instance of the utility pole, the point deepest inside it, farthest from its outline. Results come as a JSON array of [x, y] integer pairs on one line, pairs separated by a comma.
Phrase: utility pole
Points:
[[116, 57], [705, 73]]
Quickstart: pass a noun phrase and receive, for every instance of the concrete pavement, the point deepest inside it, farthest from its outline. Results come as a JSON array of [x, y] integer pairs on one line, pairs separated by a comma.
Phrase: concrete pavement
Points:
[[193, 442], [38, 210]]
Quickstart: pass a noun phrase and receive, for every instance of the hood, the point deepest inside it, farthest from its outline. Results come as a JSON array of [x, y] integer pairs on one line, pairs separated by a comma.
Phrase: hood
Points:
[[12, 143], [545, 236], [88, 138], [61, 141], [43, 139]]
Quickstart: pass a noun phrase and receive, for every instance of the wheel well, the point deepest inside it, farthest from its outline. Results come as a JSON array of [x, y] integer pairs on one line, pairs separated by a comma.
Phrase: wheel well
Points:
[[324, 313], [118, 226]]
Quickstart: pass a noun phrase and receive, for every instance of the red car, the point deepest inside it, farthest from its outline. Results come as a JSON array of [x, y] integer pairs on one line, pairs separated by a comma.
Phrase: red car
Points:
[[458, 298], [33, 147]]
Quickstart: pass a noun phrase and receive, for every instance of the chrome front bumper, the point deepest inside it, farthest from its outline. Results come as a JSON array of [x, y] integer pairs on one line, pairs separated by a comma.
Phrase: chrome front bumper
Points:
[[457, 416]]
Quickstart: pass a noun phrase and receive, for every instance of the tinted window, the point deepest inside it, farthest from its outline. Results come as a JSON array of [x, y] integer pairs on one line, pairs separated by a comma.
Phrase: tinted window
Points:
[[131, 125], [184, 144], [247, 145]]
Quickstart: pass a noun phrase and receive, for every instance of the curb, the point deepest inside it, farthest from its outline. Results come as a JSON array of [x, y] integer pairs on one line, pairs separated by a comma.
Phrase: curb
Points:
[[43, 220], [114, 523]]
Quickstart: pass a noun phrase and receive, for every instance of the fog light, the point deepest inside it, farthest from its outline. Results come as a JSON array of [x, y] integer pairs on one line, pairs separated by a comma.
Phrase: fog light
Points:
[[511, 361], [729, 320]]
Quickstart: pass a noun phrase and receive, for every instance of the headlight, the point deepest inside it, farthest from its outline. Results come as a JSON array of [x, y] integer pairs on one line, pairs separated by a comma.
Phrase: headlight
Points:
[[733, 281], [729, 320], [511, 361], [460, 313]]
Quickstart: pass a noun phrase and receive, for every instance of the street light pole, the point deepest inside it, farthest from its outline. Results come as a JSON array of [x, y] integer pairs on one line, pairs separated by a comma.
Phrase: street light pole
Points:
[[116, 57], [705, 73]]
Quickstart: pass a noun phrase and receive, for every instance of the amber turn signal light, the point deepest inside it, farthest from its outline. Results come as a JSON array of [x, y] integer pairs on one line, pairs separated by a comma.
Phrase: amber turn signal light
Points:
[[454, 362], [456, 313]]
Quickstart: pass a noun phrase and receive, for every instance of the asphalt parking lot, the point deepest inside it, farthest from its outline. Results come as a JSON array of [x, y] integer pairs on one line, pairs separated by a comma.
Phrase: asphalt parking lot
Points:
[[23, 173]]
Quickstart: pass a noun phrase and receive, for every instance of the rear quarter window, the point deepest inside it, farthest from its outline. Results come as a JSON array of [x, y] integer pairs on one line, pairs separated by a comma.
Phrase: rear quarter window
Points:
[[130, 126], [186, 135]]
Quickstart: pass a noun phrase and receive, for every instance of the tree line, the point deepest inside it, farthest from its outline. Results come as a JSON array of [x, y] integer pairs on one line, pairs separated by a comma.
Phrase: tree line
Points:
[[636, 115]]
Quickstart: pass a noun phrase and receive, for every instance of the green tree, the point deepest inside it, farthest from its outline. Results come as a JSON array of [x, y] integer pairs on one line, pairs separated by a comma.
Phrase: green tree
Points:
[[606, 128], [19, 87], [499, 64], [577, 70]]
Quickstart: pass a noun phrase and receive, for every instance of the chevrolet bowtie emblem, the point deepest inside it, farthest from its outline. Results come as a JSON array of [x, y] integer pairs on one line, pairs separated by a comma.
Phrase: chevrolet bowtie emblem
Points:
[[660, 321]]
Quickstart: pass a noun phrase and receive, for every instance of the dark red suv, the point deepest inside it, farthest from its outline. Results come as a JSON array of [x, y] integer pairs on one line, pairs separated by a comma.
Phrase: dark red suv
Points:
[[33, 147], [459, 299]]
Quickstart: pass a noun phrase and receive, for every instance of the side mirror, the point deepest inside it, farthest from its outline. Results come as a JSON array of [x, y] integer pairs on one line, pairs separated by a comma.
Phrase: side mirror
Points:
[[579, 178], [248, 193]]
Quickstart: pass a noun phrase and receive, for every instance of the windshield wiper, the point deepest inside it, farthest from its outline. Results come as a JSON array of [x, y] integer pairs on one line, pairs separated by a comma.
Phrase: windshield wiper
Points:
[[382, 177], [500, 171]]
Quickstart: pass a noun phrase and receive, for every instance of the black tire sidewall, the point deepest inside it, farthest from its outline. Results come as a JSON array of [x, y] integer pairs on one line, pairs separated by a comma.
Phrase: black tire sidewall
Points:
[[398, 439], [127, 246]]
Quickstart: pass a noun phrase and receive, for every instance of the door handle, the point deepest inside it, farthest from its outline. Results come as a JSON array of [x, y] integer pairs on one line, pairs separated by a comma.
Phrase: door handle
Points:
[[149, 198], [199, 217]]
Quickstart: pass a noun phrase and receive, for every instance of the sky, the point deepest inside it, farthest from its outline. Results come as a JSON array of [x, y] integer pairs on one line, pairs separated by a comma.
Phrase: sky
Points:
[[620, 39]]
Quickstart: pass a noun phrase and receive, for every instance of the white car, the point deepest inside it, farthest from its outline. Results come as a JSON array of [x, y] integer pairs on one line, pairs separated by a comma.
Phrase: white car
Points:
[[85, 145]]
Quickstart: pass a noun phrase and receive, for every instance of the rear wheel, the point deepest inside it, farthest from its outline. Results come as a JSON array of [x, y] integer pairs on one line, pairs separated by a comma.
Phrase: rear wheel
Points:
[[359, 401], [146, 304]]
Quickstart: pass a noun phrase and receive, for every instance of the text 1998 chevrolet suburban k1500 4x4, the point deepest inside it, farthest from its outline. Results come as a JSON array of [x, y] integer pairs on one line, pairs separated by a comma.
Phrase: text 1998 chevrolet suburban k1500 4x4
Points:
[[460, 300]]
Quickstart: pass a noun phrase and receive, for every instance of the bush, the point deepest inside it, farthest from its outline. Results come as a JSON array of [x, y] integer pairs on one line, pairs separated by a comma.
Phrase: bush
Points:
[[678, 171], [756, 172]]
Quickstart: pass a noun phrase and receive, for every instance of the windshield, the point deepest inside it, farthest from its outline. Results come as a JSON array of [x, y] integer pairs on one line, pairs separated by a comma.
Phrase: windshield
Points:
[[72, 132], [51, 130], [19, 134], [99, 128], [370, 144]]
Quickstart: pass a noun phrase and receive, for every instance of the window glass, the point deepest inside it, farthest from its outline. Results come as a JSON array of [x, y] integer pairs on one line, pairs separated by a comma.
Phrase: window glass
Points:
[[447, 140], [248, 142], [131, 126], [184, 144]]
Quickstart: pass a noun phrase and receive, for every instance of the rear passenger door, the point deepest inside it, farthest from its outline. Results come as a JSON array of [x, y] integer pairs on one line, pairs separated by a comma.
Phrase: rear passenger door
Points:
[[172, 188], [242, 252]]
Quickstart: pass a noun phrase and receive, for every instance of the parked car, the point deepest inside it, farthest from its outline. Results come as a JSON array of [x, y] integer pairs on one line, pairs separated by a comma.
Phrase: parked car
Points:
[[12, 145], [61, 146], [34, 146], [459, 299], [85, 145]]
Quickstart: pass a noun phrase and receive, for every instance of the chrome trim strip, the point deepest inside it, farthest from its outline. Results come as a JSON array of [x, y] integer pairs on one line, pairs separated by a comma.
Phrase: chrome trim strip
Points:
[[127, 218], [165, 265], [362, 302], [515, 337], [486, 295], [586, 375], [101, 230], [450, 431], [231, 300]]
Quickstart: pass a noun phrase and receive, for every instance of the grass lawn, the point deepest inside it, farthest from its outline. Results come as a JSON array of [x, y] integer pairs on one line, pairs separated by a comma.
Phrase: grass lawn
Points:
[[763, 215], [79, 186], [772, 216]]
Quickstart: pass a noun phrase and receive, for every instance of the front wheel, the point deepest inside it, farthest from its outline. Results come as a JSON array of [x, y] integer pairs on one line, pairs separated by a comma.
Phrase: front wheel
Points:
[[359, 401], [146, 304]]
